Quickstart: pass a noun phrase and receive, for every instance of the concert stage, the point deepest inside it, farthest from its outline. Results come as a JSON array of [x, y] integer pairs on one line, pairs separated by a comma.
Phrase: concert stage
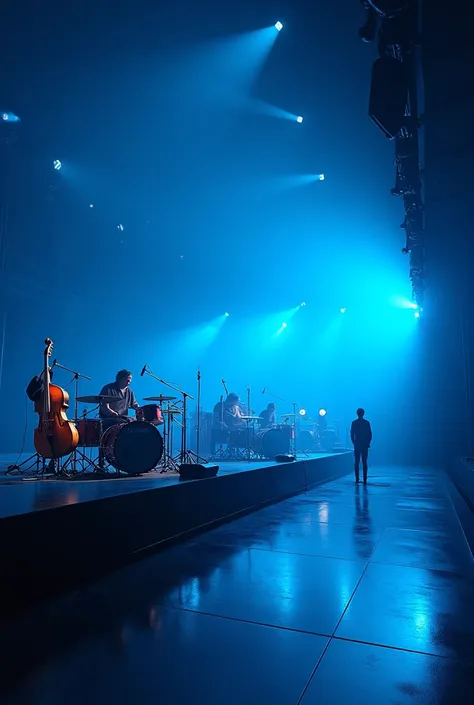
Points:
[[56, 534]]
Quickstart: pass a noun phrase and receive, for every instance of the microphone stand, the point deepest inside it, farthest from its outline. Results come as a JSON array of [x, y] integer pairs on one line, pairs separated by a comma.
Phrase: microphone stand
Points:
[[249, 412], [198, 413], [73, 458], [185, 455]]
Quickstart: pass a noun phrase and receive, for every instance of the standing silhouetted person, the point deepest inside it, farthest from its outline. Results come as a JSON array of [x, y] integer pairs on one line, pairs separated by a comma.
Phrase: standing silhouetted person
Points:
[[361, 437]]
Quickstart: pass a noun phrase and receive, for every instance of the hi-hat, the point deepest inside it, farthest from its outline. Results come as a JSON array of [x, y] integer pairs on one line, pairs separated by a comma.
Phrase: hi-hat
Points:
[[97, 399], [160, 398]]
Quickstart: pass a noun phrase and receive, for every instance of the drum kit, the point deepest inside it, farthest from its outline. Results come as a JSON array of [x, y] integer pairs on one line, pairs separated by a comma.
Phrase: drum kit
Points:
[[130, 446]]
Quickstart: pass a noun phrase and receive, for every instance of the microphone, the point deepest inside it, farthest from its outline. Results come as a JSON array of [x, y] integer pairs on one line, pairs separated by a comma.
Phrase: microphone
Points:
[[143, 370], [264, 390]]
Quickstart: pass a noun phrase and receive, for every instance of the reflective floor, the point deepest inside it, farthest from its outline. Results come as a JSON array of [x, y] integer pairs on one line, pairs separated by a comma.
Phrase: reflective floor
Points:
[[346, 594]]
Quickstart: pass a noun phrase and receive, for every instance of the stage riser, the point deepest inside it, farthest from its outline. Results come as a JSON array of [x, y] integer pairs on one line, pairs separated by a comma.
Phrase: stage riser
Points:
[[48, 552]]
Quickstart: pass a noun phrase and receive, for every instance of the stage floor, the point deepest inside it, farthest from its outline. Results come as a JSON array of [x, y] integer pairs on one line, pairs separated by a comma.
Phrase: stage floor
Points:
[[21, 496], [343, 594]]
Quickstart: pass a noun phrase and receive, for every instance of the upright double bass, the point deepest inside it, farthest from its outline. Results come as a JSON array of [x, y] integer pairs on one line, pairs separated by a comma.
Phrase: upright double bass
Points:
[[55, 435]]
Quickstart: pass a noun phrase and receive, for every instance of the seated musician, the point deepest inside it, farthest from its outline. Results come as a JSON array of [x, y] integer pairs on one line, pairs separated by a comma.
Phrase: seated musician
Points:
[[228, 414], [268, 416], [117, 411]]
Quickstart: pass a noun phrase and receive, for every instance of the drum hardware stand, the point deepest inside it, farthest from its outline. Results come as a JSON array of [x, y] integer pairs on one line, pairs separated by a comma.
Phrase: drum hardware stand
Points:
[[168, 462], [185, 456], [198, 413], [73, 457], [43, 467], [249, 412]]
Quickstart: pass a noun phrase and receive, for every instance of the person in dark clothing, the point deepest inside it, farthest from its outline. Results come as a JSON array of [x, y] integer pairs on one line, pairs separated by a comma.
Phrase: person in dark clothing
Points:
[[117, 411], [268, 416], [227, 413], [361, 437]]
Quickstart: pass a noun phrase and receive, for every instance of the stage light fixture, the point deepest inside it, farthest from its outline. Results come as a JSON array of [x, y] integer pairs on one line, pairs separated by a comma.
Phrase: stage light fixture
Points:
[[321, 177], [5, 117], [303, 303], [302, 412], [91, 205], [417, 314], [120, 227], [299, 119], [322, 412], [57, 165], [343, 310], [284, 325], [226, 314], [279, 26]]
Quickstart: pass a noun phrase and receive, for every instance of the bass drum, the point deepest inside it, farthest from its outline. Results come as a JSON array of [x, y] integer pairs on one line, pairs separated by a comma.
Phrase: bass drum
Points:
[[307, 440], [270, 442], [133, 447]]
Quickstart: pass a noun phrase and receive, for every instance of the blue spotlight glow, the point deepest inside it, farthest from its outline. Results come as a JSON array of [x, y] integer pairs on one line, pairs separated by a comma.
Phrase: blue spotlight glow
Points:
[[343, 310], [10, 117], [279, 26], [299, 119], [284, 325], [417, 314], [57, 165], [226, 314], [303, 303]]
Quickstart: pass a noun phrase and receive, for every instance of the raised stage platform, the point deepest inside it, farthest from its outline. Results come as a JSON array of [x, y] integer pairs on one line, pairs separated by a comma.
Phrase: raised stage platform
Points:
[[56, 534]]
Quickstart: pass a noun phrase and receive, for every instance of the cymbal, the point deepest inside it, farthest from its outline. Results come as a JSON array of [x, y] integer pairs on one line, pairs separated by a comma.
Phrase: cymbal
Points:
[[160, 398], [286, 416], [171, 411], [97, 399], [252, 418]]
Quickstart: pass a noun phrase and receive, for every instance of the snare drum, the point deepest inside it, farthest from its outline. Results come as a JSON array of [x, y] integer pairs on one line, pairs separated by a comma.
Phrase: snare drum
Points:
[[133, 447], [89, 433], [151, 413]]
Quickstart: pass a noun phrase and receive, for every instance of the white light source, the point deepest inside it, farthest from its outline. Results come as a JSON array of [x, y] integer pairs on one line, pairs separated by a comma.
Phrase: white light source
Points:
[[57, 164], [321, 177], [279, 26], [299, 119], [343, 310], [226, 314], [284, 325]]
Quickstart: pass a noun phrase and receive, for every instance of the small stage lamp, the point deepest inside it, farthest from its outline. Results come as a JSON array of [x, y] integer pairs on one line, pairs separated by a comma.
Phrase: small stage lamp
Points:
[[299, 119], [321, 177], [302, 412], [226, 314], [322, 412], [284, 325], [57, 165], [279, 26], [343, 310]]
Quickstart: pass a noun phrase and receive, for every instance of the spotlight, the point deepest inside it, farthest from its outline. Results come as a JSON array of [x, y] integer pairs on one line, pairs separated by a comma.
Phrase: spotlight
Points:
[[322, 412], [417, 314], [302, 412], [57, 164], [120, 227], [91, 205], [321, 177], [279, 26], [226, 314], [303, 303], [284, 325], [299, 119], [343, 310], [5, 117]]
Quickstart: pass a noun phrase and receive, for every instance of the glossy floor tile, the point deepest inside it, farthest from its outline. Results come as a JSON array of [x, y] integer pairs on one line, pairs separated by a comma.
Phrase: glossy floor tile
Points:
[[172, 656], [411, 608], [436, 550], [344, 594], [362, 674]]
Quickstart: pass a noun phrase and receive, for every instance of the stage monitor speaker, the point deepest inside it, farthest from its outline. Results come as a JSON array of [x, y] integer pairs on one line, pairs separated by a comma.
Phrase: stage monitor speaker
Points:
[[388, 95], [197, 471], [285, 458]]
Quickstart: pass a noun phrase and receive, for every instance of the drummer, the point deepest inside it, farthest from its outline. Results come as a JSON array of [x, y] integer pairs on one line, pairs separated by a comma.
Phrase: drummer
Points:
[[268, 417], [117, 411]]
